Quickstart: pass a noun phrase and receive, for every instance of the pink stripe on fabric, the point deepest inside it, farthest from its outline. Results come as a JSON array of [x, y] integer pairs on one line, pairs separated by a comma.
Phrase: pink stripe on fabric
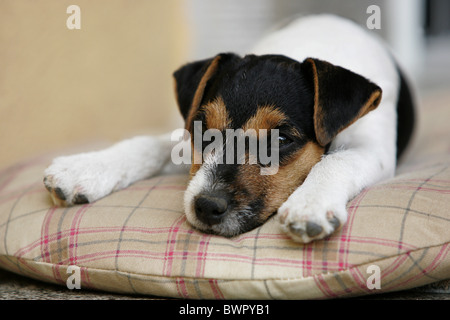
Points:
[[323, 286], [415, 188], [59, 235], [218, 295], [73, 238], [85, 279], [57, 274], [170, 248], [371, 240], [22, 251], [181, 288], [345, 238], [359, 279], [253, 236], [95, 256], [44, 243], [421, 180], [25, 265], [442, 254], [202, 253], [307, 259], [399, 260]]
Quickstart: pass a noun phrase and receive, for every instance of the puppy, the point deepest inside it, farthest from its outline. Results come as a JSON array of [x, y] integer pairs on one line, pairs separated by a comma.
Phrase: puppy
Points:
[[339, 104]]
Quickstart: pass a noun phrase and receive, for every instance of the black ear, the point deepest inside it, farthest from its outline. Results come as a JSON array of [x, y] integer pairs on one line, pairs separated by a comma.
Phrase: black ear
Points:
[[340, 97], [191, 80]]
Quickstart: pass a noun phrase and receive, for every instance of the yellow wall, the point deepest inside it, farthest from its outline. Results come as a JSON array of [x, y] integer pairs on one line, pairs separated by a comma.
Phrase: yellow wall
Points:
[[107, 81]]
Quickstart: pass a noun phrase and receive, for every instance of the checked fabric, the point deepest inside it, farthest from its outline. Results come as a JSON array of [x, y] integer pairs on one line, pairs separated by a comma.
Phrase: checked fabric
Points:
[[138, 240]]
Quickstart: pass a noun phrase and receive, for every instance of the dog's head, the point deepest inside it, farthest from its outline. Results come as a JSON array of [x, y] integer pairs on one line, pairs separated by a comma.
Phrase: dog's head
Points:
[[308, 103]]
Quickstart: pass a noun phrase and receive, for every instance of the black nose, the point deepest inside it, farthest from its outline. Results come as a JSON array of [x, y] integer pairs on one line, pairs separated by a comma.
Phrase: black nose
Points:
[[210, 209]]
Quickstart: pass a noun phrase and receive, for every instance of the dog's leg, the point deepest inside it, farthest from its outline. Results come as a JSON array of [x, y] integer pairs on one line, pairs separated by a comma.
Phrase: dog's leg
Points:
[[87, 177], [318, 207]]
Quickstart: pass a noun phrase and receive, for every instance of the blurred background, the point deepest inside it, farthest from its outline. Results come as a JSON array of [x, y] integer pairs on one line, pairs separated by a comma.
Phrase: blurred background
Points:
[[112, 78]]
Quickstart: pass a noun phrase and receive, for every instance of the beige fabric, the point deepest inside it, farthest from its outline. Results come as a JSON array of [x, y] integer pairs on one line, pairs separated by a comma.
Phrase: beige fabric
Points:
[[138, 240]]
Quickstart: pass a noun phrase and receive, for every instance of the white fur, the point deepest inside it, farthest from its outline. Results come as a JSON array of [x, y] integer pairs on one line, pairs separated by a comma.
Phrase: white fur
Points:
[[199, 183], [98, 173], [359, 156]]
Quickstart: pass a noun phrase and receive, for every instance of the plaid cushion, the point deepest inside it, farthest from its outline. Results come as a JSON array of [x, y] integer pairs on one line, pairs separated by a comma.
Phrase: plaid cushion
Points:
[[138, 240]]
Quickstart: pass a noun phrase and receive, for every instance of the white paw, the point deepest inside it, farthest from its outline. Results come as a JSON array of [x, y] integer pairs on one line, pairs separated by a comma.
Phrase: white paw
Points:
[[81, 178], [307, 218]]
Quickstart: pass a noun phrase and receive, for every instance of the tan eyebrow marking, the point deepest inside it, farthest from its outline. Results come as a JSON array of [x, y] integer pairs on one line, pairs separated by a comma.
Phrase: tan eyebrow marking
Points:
[[216, 115], [268, 117]]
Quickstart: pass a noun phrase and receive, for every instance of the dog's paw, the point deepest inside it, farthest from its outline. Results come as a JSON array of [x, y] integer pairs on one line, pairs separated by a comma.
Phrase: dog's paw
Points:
[[306, 220], [79, 179]]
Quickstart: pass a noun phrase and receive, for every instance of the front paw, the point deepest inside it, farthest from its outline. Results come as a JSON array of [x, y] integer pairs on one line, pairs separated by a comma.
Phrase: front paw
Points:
[[306, 219], [79, 179]]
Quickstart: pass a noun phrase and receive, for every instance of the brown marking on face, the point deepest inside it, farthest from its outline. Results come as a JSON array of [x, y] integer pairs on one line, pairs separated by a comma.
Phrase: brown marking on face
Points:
[[267, 117], [292, 174], [216, 115], [198, 96], [273, 190]]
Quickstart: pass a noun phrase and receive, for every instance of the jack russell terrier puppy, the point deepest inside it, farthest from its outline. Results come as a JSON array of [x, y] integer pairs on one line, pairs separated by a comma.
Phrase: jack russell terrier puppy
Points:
[[342, 110]]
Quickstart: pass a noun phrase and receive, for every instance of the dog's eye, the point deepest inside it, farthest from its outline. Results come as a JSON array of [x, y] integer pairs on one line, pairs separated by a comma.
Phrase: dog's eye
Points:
[[283, 140]]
